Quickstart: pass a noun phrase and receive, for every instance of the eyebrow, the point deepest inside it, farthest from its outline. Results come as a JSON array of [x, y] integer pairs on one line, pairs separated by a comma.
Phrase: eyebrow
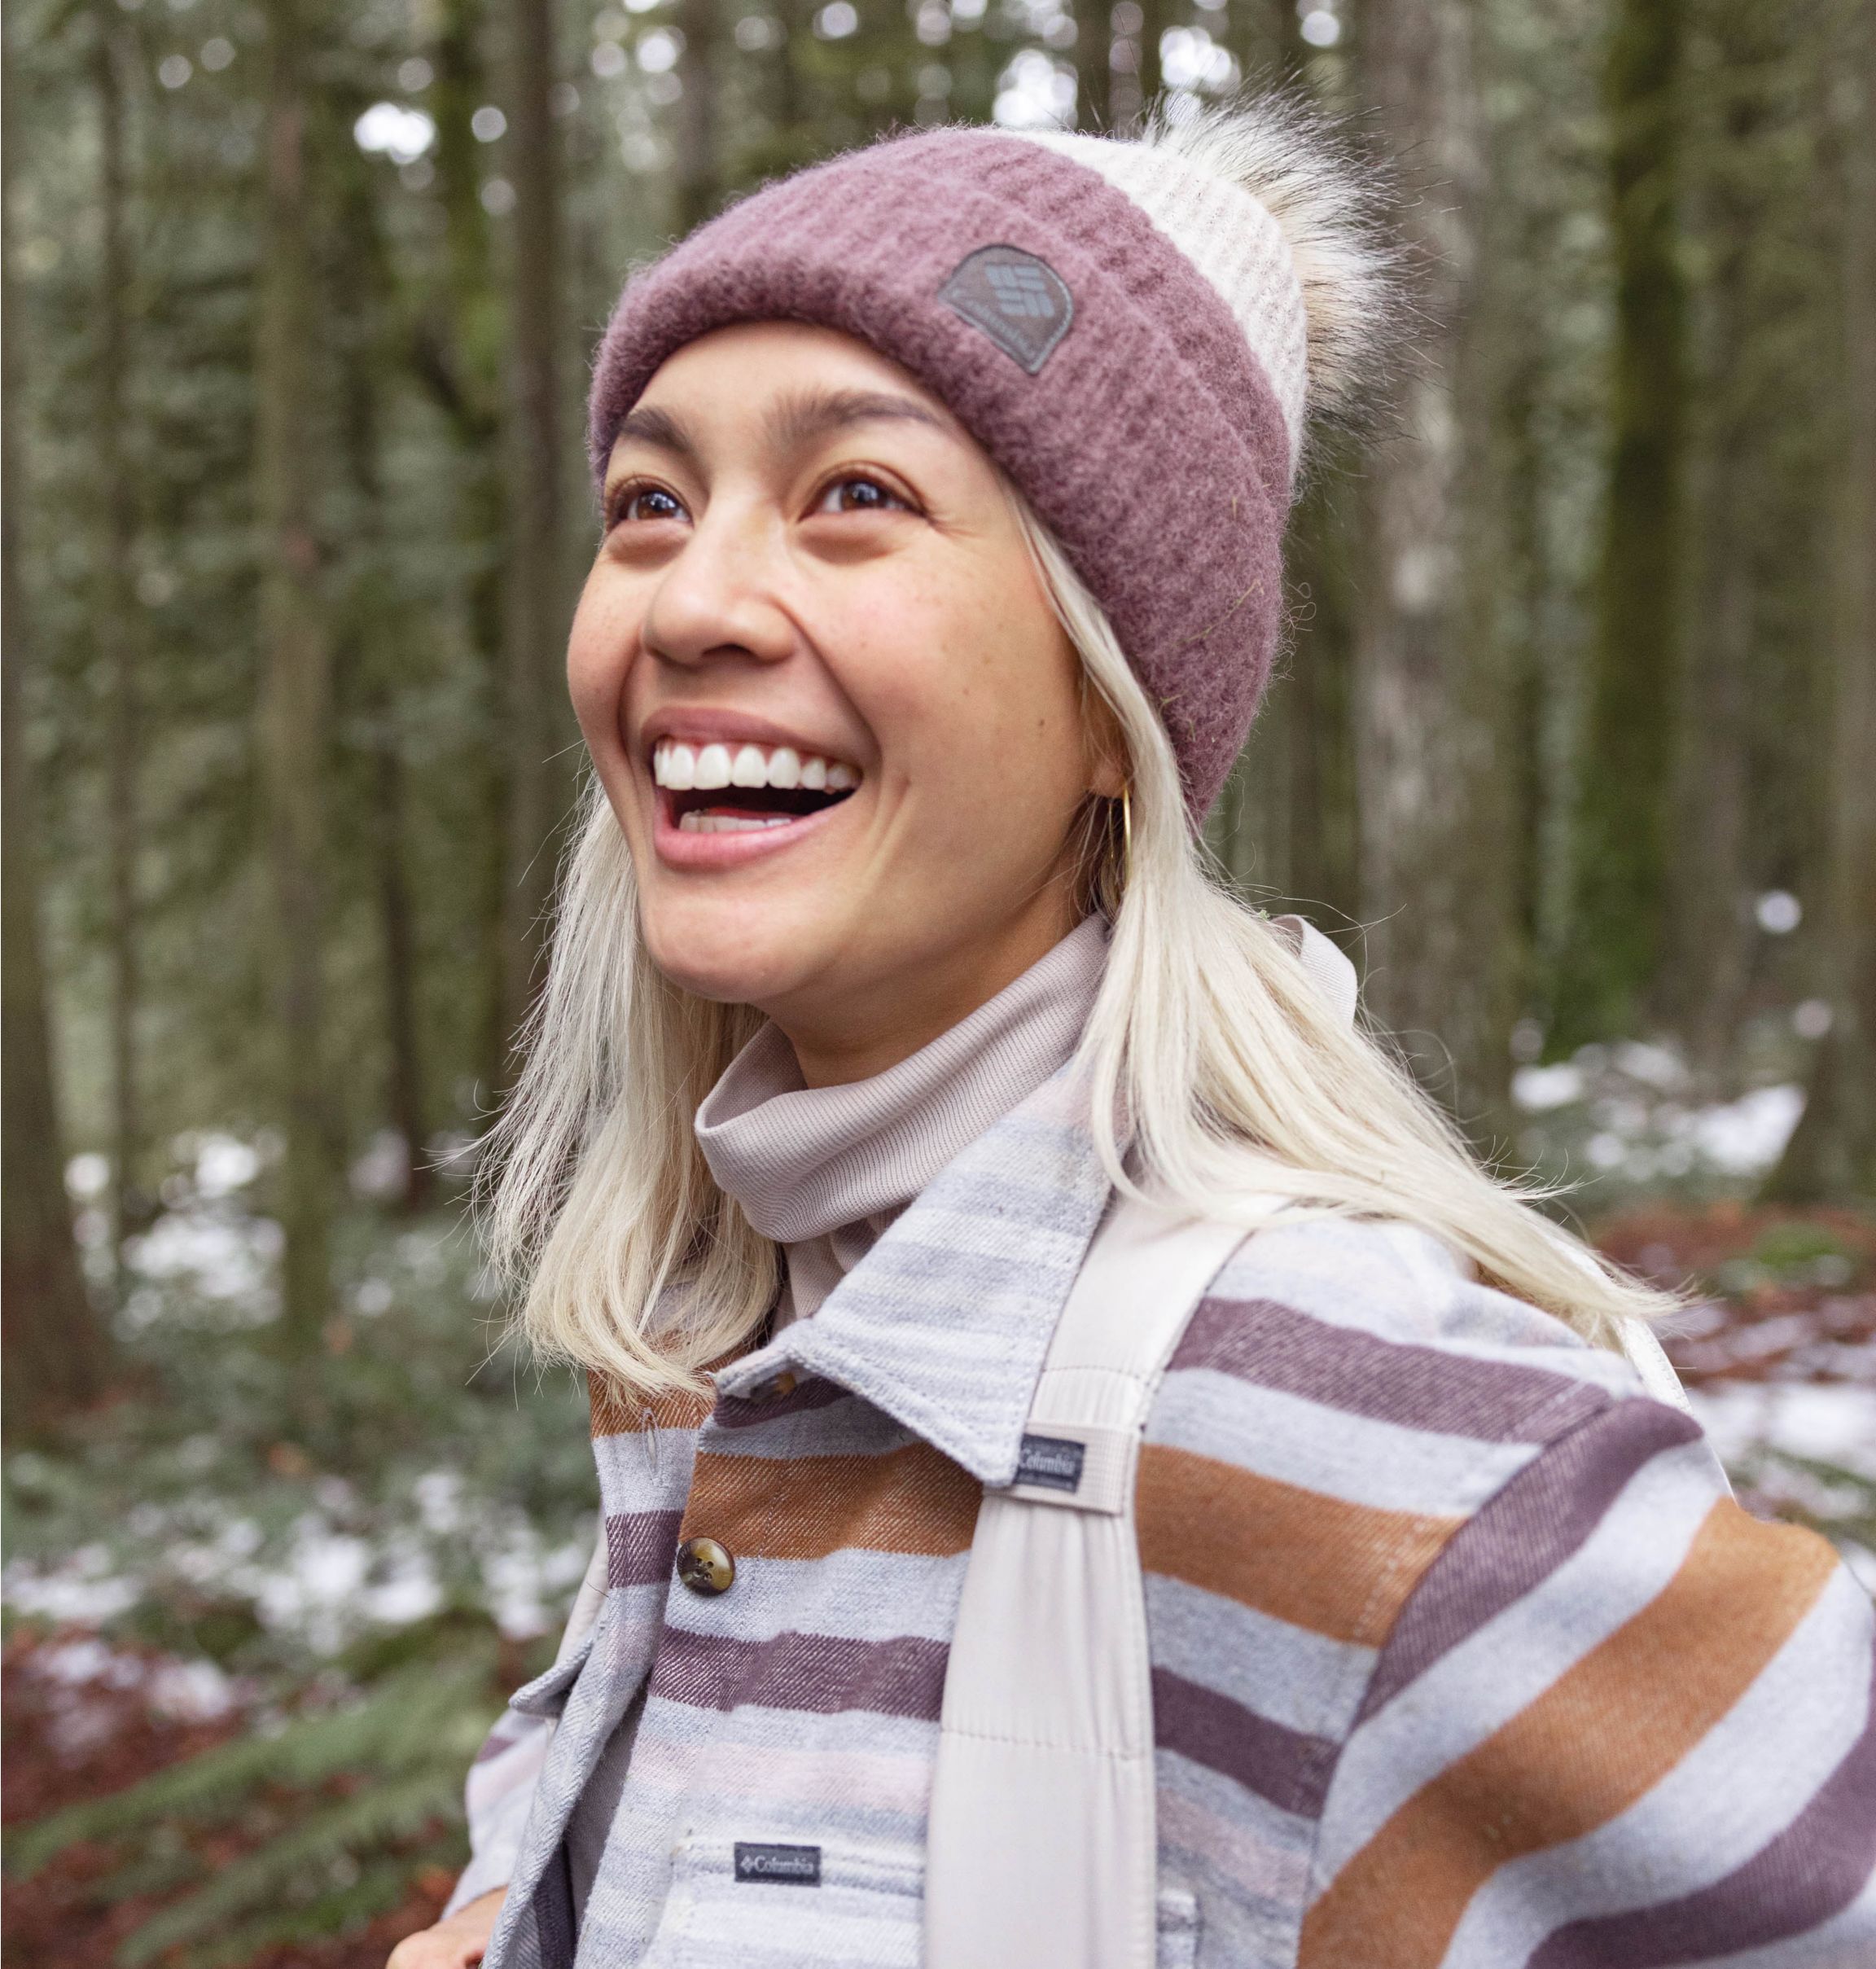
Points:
[[798, 419], [660, 429], [794, 423]]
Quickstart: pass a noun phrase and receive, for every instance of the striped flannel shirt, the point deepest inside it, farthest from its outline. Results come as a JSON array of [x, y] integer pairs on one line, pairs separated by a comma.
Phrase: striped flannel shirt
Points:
[[1462, 1653]]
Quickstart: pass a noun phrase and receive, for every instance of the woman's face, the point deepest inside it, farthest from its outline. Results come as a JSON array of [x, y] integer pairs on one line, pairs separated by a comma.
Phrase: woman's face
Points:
[[827, 697]]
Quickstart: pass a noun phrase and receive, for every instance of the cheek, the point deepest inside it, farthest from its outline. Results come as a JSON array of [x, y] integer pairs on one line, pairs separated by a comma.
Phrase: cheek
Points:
[[599, 652], [988, 704]]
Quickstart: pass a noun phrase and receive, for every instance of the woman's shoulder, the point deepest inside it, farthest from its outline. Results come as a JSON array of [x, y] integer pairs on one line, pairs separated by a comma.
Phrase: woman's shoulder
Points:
[[1360, 1289], [1361, 1360]]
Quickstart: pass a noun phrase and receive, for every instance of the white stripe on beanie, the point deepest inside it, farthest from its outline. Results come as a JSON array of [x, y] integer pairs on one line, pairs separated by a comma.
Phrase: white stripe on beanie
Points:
[[1231, 238]]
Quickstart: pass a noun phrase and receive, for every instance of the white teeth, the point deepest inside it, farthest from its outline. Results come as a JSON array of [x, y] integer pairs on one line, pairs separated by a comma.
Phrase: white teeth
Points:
[[729, 823], [675, 766], [681, 767]]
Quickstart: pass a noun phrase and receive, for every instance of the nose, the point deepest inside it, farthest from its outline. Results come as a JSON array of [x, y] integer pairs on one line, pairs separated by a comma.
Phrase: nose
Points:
[[716, 599]]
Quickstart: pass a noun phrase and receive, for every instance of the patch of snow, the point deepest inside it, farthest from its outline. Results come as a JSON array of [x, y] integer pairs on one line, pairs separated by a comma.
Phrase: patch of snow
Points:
[[190, 1691], [80, 1590], [411, 1593], [1745, 1136], [223, 1258], [1832, 1423], [1538, 1089], [1655, 1066]]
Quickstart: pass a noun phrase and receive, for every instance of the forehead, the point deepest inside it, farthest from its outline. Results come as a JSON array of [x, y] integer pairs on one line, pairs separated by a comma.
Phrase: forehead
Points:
[[755, 380]]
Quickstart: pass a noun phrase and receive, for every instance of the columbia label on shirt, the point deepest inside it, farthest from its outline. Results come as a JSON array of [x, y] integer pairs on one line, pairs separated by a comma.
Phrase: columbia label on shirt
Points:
[[779, 1865], [1051, 1461]]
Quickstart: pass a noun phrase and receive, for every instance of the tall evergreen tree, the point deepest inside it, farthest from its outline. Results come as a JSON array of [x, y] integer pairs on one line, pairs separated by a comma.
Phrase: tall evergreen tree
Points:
[[1627, 746], [55, 1352], [534, 588], [1431, 694], [296, 680]]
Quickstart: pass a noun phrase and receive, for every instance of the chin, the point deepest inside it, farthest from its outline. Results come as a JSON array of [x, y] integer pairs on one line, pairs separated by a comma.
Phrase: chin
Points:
[[730, 963]]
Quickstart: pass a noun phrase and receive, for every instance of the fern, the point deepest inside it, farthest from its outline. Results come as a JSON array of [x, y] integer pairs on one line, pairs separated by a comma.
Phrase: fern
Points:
[[370, 1819], [336, 1861]]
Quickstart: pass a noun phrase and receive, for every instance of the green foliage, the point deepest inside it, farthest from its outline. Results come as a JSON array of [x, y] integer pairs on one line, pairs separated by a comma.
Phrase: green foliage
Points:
[[363, 1796]]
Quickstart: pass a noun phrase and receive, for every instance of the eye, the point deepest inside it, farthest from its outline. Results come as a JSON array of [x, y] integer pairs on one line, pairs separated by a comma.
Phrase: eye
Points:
[[641, 503], [859, 495]]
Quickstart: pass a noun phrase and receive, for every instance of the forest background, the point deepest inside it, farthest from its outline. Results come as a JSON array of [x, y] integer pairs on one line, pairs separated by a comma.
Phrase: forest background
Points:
[[1574, 749]]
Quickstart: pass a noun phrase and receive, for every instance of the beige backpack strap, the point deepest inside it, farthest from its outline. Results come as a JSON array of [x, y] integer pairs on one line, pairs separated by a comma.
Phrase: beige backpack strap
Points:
[[1043, 1845]]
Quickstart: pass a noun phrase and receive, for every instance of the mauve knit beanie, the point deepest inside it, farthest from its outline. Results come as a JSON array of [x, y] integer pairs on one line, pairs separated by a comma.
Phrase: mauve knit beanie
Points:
[[1138, 333]]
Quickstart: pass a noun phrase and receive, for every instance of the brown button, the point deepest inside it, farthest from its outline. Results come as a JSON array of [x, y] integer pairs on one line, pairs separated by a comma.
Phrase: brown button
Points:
[[776, 1387], [705, 1567]]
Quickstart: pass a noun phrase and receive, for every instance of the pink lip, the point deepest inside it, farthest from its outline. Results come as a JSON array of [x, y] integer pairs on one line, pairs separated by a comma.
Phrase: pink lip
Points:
[[702, 851]]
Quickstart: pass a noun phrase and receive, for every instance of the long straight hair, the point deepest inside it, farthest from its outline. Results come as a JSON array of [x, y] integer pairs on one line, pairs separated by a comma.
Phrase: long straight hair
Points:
[[1216, 1072]]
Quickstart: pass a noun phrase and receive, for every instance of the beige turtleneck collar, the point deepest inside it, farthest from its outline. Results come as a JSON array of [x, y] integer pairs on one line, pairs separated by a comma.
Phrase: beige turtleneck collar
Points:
[[824, 1170]]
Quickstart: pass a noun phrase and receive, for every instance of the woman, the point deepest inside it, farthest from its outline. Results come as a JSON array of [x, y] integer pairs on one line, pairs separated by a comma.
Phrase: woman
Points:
[[943, 488]]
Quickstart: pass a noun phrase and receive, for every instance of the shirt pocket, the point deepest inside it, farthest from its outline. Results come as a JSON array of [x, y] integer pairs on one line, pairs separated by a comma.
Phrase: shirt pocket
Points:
[[779, 1903], [785, 1903]]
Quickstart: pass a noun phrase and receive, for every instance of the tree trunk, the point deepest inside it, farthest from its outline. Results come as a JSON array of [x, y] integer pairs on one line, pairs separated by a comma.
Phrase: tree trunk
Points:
[[295, 685], [700, 172], [533, 627], [56, 1353], [459, 359], [1433, 704], [1156, 16], [1624, 779], [1093, 65], [370, 652], [1285, 830], [121, 624], [398, 920], [1833, 1152]]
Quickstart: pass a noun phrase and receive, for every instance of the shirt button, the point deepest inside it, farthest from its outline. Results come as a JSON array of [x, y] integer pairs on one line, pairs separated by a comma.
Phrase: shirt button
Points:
[[776, 1387], [705, 1567]]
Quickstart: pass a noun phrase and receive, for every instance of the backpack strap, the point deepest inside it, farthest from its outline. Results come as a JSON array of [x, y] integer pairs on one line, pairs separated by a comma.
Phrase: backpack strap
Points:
[[1042, 1845]]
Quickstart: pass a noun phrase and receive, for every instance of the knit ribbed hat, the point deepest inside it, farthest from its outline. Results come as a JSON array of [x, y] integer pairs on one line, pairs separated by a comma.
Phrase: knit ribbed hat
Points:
[[1135, 332]]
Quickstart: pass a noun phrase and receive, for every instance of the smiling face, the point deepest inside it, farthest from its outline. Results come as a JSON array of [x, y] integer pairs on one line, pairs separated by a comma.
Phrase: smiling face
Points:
[[828, 699]]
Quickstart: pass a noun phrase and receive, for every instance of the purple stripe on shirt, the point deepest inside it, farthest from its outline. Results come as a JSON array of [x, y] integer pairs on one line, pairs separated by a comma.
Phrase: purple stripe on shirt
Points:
[[1510, 1546], [641, 1547], [741, 1412], [1814, 1869], [1416, 1387], [1289, 1769], [822, 1673]]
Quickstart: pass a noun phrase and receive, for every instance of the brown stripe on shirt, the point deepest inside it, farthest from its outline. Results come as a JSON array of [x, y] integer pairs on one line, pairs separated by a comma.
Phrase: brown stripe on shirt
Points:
[[1316, 1561], [914, 1500], [617, 1411], [1598, 1739]]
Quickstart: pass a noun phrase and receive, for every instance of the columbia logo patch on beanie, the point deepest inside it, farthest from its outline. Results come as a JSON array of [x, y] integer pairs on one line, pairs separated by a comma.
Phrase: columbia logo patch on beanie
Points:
[[1018, 300]]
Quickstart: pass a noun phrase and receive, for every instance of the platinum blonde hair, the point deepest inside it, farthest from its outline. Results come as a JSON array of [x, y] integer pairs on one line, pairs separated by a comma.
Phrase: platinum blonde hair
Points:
[[1214, 1065], [1216, 1072]]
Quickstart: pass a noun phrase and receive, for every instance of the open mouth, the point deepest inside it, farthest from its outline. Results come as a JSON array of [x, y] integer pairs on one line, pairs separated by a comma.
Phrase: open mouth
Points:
[[733, 789]]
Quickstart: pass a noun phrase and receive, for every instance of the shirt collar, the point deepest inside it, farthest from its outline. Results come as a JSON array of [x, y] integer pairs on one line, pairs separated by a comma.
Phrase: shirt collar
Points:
[[945, 1324]]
